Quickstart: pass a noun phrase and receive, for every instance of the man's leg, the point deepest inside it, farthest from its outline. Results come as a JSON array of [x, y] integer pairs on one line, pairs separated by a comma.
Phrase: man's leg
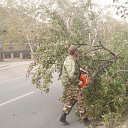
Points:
[[69, 103], [81, 108], [63, 119]]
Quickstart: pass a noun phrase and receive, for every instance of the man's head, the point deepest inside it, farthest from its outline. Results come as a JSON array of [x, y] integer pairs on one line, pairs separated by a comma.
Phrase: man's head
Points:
[[73, 51]]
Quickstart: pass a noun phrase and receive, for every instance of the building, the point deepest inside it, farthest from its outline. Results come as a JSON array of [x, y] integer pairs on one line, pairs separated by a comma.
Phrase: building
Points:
[[16, 51]]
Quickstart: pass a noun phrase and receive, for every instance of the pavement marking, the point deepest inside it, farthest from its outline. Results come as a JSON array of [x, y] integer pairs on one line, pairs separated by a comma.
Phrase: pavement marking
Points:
[[15, 99]]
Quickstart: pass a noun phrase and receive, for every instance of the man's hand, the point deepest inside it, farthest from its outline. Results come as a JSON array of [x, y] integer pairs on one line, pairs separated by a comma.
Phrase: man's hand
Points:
[[80, 83]]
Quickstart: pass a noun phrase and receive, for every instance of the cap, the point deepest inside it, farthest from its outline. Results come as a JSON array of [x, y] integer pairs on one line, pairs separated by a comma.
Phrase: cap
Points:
[[72, 49]]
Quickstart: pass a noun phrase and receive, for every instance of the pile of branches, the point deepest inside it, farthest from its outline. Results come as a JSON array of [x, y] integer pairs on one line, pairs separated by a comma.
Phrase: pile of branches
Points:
[[106, 96]]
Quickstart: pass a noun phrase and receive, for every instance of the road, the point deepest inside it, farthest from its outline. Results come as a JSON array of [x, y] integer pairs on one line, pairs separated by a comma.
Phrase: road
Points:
[[23, 106]]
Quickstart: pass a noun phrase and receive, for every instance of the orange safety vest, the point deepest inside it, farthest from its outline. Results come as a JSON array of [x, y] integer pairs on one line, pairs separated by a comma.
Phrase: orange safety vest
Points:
[[85, 79]]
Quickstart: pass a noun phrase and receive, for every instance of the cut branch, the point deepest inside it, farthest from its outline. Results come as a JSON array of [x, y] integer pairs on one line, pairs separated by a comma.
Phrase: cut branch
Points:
[[104, 67], [107, 49]]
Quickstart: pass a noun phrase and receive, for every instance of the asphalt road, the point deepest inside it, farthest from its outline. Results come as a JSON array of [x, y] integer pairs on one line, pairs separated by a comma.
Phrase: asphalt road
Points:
[[23, 106]]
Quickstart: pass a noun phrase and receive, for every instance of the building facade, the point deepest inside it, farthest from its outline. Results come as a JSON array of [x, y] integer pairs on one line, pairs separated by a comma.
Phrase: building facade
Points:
[[16, 51]]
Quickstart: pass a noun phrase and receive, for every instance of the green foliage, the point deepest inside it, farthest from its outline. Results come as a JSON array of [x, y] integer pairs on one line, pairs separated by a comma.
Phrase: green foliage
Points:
[[107, 96], [50, 53]]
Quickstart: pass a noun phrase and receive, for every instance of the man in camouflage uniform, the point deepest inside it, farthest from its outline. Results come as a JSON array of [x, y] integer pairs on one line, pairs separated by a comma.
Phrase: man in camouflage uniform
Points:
[[70, 81]]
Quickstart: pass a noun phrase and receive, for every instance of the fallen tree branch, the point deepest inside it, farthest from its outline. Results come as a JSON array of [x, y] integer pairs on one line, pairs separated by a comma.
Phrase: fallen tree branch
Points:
[[107, 49], [103, 67]]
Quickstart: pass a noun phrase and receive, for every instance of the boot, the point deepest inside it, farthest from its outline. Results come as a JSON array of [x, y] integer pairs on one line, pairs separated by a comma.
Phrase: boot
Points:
[[63, 119], [86, 121]]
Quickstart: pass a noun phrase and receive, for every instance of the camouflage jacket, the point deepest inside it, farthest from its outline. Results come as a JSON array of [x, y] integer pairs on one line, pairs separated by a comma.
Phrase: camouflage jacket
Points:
[[70, 72]]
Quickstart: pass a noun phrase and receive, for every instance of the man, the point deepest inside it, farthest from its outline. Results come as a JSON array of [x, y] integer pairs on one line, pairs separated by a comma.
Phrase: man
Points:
[[70, 81]]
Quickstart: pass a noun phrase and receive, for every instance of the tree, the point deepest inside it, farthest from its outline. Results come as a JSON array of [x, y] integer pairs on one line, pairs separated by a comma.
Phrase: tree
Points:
[[18, 26], [122, 8]]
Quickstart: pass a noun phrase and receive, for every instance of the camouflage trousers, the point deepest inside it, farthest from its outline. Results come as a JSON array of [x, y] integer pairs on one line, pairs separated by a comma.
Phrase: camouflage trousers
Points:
[[73, 95]]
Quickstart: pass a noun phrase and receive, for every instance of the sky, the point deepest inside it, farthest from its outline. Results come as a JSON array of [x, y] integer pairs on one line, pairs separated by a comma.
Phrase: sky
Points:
[[103, 2], [100, 2], [108, 5]]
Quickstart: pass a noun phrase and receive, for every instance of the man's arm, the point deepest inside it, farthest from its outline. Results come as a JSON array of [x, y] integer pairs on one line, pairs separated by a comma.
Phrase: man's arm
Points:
[[70, 68]]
